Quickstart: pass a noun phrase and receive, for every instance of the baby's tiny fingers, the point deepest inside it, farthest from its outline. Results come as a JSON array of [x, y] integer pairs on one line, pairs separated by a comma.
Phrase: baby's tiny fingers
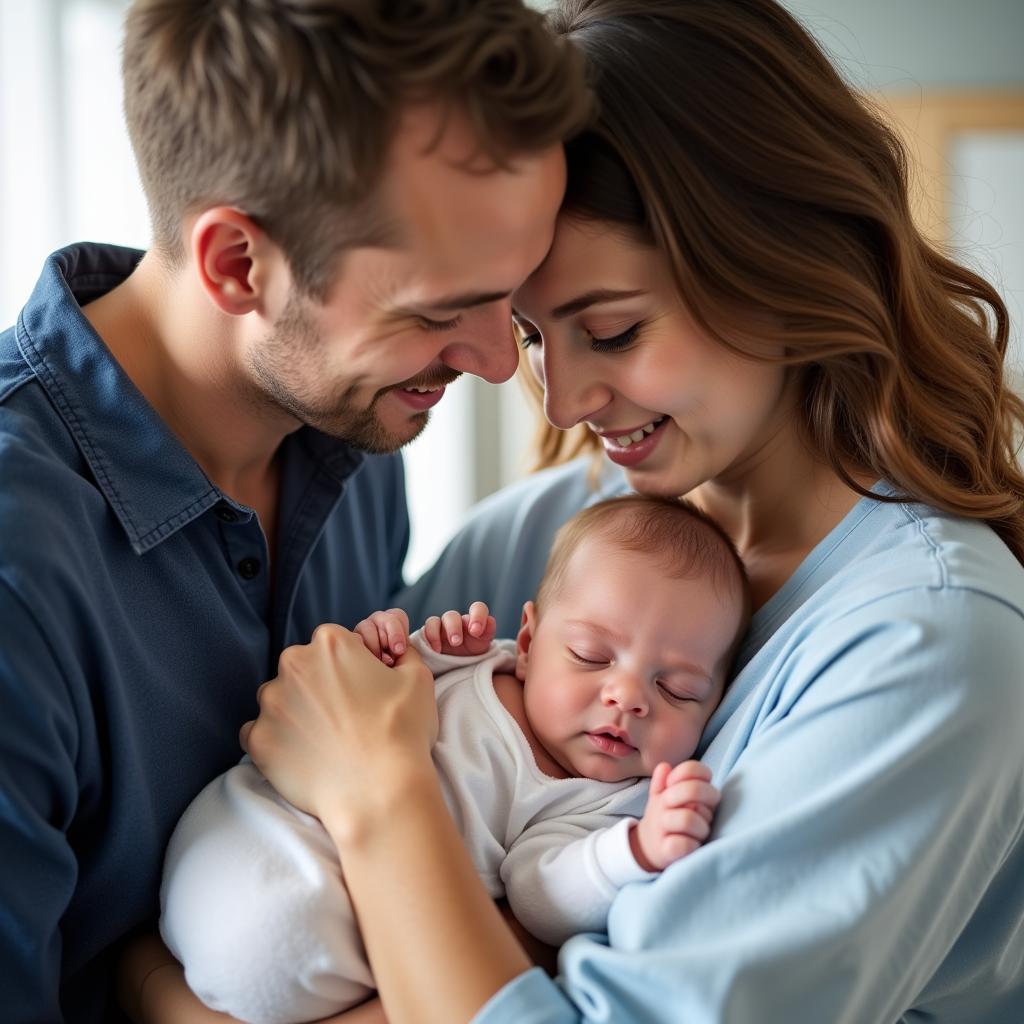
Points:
[[367, 631], [685, 822], [689, 770], [659, 777], [690, 792], [707, 813], [452, 624], [396, 632], [476, 621], [432, 633]]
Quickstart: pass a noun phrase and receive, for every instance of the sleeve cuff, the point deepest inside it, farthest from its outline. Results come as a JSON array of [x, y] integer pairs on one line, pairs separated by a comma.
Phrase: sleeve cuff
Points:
[[615, 858], [531, 998]]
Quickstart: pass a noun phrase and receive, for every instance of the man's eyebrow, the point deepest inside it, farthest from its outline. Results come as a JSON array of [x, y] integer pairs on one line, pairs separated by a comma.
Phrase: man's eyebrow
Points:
[[453, 303], [582, 302]]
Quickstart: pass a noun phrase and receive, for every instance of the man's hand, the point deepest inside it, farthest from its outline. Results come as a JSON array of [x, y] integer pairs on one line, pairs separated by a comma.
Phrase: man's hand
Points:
[[386, 633], [678, 815]]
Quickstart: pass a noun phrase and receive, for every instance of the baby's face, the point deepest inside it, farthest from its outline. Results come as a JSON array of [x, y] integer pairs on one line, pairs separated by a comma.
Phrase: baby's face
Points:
[[624, 666]]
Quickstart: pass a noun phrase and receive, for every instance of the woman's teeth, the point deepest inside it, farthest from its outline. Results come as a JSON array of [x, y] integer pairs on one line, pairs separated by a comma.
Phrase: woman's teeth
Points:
[[423, 391], [639, 434]]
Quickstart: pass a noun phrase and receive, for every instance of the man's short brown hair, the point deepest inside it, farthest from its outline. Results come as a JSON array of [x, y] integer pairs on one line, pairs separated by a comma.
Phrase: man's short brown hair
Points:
[[285, 108]]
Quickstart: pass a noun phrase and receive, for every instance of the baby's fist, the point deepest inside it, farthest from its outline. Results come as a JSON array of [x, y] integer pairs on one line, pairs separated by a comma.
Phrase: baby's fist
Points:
[[678, 815]]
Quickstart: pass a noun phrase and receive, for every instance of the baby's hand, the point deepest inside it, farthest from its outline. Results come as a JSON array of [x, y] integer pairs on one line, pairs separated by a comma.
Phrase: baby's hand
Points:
[[454, 633], [677, 819], [385, 634]]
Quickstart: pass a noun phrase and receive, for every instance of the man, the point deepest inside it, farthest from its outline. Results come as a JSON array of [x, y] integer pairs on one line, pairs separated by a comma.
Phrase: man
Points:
[[343, 194]]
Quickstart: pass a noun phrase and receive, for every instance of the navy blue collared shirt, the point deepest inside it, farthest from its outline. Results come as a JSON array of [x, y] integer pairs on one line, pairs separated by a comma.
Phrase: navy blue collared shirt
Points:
[[136, 622]]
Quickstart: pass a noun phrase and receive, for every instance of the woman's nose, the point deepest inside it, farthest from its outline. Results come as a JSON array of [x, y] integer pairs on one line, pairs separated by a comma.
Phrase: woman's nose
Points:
[[572, 391]]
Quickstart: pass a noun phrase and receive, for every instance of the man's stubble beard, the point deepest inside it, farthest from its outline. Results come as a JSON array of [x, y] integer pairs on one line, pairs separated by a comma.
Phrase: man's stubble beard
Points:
[[295, 341]]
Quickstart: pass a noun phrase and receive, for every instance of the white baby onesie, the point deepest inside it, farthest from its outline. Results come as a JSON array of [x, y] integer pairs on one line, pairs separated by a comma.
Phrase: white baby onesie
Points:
[[253, 899]]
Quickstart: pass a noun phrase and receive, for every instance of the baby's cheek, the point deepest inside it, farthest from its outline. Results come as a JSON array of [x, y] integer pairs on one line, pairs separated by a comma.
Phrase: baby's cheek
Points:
[[678, 743]]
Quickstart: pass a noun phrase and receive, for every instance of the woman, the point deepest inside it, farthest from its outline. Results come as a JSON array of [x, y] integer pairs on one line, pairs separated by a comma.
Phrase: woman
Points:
[[739, 308]]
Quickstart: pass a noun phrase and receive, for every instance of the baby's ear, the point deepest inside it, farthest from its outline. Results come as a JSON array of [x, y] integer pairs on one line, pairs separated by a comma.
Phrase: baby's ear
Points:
[[524, 639]]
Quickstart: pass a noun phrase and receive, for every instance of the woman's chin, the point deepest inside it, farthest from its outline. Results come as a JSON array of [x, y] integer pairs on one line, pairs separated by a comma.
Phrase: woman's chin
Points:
[[661, 483]]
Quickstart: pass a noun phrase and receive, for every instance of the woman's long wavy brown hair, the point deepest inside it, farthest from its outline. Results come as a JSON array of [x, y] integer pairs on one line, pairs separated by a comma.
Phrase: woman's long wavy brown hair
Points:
[[726, 138]]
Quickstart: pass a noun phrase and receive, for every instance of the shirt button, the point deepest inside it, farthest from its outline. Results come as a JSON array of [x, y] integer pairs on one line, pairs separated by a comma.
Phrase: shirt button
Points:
[[249, 568], [226, 514]]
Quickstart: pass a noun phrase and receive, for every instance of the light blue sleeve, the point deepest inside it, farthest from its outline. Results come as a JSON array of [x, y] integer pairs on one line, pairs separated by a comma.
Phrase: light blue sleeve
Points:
[[866, 858], [500, 553]]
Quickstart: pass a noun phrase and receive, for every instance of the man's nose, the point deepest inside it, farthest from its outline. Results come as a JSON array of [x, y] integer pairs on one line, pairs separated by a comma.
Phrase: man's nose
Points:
[[486, 346], [572, 391], [626, 692]]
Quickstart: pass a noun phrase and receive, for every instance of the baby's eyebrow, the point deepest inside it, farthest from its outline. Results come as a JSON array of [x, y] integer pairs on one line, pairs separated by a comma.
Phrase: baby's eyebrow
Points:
[[701, 675], [619, 638]]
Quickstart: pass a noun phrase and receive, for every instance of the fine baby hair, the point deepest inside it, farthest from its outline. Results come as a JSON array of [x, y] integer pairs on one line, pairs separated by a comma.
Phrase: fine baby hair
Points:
[[688, 543]]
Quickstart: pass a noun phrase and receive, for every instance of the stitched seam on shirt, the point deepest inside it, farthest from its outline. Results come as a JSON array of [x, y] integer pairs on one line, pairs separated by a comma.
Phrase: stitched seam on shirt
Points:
[[99, 466], [19, 382], [65, 407], [168, 526], [923, 532], [947, 588]]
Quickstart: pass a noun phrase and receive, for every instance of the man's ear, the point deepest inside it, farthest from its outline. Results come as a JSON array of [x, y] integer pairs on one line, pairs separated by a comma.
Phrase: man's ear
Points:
[[232, 257], [524, 639]]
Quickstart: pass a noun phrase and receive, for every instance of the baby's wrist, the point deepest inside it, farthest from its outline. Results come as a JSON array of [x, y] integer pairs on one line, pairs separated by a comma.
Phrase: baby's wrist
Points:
[[637, 849]]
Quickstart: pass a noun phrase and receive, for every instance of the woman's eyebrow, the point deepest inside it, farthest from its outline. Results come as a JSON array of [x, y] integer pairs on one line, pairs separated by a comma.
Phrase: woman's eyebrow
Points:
[[577, 305], [582, 302]]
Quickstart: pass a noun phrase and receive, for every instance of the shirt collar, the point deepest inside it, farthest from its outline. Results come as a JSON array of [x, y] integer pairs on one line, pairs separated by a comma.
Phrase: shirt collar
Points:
[[151, 482]]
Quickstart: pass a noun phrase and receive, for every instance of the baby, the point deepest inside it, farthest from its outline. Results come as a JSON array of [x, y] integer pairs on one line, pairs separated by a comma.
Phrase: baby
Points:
[[543, 754]]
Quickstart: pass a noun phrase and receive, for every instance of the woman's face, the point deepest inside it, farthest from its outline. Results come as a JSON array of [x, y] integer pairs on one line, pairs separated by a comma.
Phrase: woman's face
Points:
[[610, 341]]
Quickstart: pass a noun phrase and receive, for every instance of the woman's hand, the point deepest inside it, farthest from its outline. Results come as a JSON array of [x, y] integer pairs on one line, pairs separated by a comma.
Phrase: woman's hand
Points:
[[338, 730]]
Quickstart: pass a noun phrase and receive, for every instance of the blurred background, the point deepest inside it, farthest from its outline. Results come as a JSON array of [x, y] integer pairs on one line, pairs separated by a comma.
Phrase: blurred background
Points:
[[951, 73]]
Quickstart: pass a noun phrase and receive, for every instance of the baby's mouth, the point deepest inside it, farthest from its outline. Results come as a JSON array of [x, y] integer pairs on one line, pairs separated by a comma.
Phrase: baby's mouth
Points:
[[614, 742]]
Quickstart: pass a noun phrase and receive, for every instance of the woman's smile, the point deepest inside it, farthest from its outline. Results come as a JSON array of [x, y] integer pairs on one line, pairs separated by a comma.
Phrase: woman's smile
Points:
[[631, 447]]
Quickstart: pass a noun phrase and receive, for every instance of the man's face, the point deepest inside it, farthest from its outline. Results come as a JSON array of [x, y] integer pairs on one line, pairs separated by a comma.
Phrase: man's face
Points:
[[401, 322]]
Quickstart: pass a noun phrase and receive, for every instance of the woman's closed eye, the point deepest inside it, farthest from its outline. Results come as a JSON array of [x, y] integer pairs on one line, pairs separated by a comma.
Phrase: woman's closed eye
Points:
[[613, 343], [616, 342]]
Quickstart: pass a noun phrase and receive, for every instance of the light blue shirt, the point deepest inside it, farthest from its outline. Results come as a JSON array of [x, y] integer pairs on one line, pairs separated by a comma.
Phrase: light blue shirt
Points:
[[866, 864]]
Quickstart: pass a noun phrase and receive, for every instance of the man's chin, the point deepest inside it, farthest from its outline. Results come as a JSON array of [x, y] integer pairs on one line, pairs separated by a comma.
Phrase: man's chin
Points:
[[374, 438]]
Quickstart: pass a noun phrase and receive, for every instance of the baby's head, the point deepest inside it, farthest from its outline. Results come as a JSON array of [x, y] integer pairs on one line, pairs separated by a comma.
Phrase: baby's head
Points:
[[624, 655]]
